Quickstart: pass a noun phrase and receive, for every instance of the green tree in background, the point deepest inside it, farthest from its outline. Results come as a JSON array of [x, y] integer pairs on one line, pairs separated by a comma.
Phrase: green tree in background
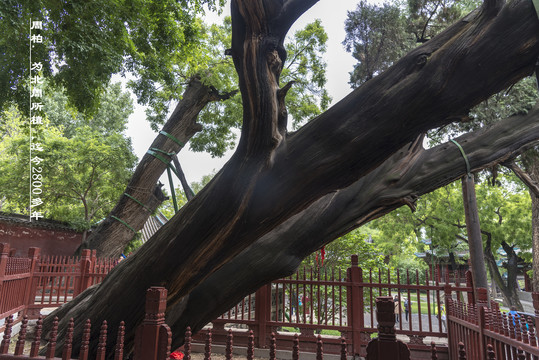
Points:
[[378, 35], [221, 120], [85, 42], [505, 220], [84, 165]]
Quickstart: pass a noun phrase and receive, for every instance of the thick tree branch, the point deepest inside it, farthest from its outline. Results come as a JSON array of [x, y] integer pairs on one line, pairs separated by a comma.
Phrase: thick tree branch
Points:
[[532, 185], [271, 178], [413, 171], [291, 11]]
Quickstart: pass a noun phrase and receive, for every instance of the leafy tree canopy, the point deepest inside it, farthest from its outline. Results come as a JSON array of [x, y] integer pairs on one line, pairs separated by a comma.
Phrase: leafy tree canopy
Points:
[[504, 212], [379, 35], [84, 167], [221, 121], [85, 42]]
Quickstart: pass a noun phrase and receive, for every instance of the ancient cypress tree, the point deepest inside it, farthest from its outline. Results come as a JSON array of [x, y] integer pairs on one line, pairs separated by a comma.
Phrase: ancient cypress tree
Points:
[[274, 175]]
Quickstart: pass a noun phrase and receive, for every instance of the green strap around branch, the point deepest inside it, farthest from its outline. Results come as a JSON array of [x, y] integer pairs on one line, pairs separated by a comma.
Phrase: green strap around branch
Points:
[[123, 222], [155, 154], [468, 171], [138, 202], [172, 138]]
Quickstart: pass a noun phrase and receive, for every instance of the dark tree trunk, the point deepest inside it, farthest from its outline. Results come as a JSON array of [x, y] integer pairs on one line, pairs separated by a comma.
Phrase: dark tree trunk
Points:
[[404, 177], [473, 228], [512, 272], [272, 176], [507, 287], [535, 240]]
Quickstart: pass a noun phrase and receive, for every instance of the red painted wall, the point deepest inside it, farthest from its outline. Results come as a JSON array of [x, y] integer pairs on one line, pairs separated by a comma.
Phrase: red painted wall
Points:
[[51, 241]]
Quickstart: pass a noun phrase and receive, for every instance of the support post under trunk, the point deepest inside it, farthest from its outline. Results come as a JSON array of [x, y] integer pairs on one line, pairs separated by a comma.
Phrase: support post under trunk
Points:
[[475, 243]]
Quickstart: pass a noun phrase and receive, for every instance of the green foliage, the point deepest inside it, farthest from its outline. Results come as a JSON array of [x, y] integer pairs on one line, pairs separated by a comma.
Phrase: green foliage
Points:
[[338, 252], [83, 171], [305, 67], [167, 207], [504, 212], [221, 121], [134, 244], [376, 36], [426, 18], [85, 42], [517, 100], [111, 116]]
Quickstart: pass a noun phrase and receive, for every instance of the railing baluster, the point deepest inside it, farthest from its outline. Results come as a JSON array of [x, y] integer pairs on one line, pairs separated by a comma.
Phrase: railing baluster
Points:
[[344, 349], [68, 343], [273, 347], [19, 347], [4, 346], [102, 345], [251, 345], [319, 348], [462, 351], [433, 352], [187, 346], [119, 348], [34, 350], [83, 354], [295, 348], [207, 348], [51, 346], [229, 345]]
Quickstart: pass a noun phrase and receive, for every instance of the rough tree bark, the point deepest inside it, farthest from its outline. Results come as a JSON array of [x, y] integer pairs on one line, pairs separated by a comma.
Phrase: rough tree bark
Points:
[[273, 176], [402, 179], [112, 236]]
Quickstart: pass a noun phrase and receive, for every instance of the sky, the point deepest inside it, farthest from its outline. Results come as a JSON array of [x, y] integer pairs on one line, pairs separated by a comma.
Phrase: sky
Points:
[[339, 64]]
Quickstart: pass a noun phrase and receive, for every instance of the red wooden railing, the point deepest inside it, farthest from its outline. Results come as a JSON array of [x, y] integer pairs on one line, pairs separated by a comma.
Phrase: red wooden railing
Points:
[[152, 339], [483, 332], [30, 284], [316, 299]]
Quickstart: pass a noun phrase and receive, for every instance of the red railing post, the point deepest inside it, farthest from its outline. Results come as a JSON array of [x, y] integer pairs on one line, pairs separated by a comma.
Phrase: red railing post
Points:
[[153, 337], [262, 314], [386, 346], [31, 285], [85, 265], [4, 254], [447, 301], [482, 325], [355, 305], [469, 283], [482, 297]]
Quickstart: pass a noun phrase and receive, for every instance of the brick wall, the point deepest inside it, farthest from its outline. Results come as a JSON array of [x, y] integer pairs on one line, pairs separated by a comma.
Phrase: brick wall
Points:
[[52, 238]]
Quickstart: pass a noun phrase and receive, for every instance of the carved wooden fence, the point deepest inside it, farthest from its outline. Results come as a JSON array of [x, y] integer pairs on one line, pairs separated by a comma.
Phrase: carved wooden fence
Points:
[[30, 284], [479, 332], [152, 339], [343, 303]]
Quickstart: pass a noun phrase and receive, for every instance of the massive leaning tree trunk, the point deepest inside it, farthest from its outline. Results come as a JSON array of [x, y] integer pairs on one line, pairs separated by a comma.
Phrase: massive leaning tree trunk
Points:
[[272, 176]]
